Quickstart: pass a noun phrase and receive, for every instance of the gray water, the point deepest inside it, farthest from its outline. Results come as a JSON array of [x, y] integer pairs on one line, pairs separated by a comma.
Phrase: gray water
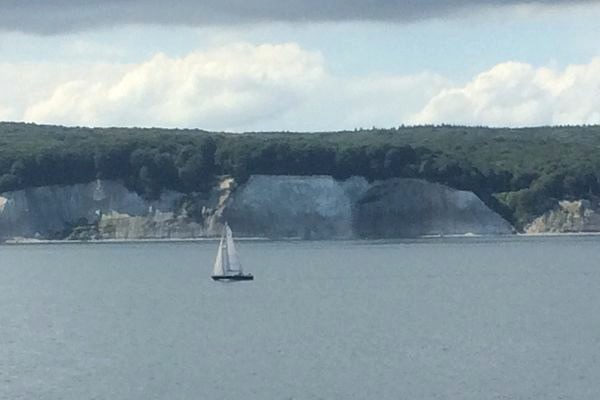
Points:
[[469, 318]]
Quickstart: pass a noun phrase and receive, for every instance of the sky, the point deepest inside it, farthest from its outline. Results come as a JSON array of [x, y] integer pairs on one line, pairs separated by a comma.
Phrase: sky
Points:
[[260, 65]]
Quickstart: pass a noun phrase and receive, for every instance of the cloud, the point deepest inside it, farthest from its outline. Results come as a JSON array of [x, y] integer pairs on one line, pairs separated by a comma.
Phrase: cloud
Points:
[[47, 17], [24, 84], [222, 88], [6, 113], [245, 87], [235, 87], [518, 94]]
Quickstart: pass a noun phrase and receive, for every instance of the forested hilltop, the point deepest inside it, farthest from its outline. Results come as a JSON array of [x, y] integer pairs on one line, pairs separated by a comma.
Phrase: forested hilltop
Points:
[[520, 173]]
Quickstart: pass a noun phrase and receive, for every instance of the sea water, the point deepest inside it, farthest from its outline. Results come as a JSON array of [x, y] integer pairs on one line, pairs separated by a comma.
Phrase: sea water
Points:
[[446, 318]]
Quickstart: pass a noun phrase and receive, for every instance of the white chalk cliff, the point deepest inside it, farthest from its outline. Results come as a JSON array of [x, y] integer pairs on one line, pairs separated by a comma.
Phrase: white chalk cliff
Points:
[[568, 217], [316, 207], [49, 210]]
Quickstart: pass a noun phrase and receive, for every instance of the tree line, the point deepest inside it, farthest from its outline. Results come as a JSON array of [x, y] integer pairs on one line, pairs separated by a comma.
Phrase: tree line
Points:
[[519, 173]]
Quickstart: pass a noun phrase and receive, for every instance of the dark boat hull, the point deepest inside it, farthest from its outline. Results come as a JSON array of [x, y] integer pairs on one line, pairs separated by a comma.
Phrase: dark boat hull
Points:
[[233, 277]]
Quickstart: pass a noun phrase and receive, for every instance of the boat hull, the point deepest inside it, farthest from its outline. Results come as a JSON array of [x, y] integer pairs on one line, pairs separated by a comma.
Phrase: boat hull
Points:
[[232, 277]]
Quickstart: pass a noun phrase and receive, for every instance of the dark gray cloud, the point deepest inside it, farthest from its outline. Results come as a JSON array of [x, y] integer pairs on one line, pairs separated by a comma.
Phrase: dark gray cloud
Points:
[[55, 16]]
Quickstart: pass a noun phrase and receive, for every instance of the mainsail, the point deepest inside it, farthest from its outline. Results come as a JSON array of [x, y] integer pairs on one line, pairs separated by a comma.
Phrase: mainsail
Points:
[[227, 261], [220, 262], [234, 264]]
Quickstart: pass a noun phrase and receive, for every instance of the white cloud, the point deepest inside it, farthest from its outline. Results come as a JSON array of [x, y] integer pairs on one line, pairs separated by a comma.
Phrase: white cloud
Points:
[[6, 113], [284, 87], [517, 94], [25, 84], [233, 87], [223, 88]]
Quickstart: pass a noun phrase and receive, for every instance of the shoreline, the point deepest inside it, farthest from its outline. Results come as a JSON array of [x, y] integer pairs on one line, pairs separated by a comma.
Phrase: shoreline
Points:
[[32, 241]]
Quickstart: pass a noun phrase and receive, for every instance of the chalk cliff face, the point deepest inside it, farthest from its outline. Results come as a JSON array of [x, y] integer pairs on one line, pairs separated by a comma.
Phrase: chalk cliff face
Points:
[[168, 222], [156, 225], [294, 206], [49, 210], [315, 207], [413, 207], [321, 207], [569, 216]]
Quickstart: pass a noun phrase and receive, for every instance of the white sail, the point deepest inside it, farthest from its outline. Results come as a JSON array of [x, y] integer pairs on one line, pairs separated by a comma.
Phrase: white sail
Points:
[[227, 265], [233, 260], [221, 261]]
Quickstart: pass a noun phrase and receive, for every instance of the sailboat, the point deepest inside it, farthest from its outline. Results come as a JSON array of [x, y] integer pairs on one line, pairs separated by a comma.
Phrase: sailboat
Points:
[[227, 264]]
